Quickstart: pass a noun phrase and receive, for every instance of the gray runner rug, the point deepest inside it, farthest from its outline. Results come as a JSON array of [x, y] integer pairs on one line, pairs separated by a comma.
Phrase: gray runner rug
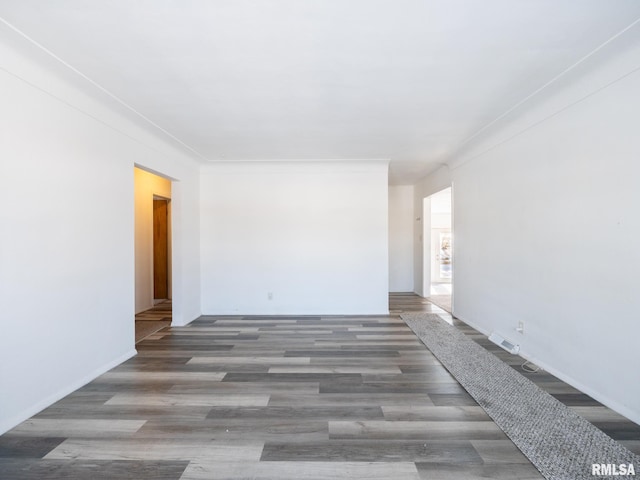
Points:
[[560, 443]]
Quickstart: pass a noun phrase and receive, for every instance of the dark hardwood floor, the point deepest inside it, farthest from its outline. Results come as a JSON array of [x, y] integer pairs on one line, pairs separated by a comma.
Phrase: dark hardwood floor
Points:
[[281, 398]]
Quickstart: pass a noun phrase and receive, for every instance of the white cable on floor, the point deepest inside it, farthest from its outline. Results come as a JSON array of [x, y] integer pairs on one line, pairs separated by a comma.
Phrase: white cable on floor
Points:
[[527, 368]]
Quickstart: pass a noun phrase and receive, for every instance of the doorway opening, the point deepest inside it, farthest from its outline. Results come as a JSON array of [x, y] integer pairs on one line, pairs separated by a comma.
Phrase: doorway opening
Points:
[[438, 250], [153, 306]]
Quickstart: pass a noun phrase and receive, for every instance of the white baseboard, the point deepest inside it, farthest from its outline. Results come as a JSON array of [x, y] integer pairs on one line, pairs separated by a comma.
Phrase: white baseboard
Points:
[[9, 423]]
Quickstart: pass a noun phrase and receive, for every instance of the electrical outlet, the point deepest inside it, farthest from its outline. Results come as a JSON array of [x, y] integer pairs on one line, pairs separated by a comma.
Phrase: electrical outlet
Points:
[[270, 295], [520, 328]]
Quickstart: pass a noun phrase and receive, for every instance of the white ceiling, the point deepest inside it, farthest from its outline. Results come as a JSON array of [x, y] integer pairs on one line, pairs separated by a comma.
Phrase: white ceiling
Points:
[[405, 80]]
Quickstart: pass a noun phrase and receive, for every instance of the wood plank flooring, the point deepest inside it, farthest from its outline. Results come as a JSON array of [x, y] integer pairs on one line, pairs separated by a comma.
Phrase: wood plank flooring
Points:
[[280, 398]]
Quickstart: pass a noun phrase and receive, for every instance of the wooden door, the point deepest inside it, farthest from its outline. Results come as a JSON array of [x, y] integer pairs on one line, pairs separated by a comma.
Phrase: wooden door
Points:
[[160, 249]]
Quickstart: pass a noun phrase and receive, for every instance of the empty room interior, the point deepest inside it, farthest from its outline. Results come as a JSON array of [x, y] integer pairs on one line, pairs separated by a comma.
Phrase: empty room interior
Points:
[[319, 239]]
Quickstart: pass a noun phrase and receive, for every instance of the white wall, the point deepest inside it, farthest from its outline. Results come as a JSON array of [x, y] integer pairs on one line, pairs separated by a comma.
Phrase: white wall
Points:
[[401, 221], [314, 234], [146, 185], [67, 243], [547, 230]]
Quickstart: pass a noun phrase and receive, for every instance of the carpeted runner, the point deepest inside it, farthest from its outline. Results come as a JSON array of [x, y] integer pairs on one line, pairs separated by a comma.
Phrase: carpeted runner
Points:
[[561, 444]]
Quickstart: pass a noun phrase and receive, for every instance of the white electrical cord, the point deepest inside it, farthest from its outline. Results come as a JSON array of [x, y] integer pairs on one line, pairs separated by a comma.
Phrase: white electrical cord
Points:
[[529, 367]]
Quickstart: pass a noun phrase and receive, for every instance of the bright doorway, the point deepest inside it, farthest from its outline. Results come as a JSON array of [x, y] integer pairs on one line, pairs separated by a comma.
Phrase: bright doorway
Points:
[[438, 250]]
